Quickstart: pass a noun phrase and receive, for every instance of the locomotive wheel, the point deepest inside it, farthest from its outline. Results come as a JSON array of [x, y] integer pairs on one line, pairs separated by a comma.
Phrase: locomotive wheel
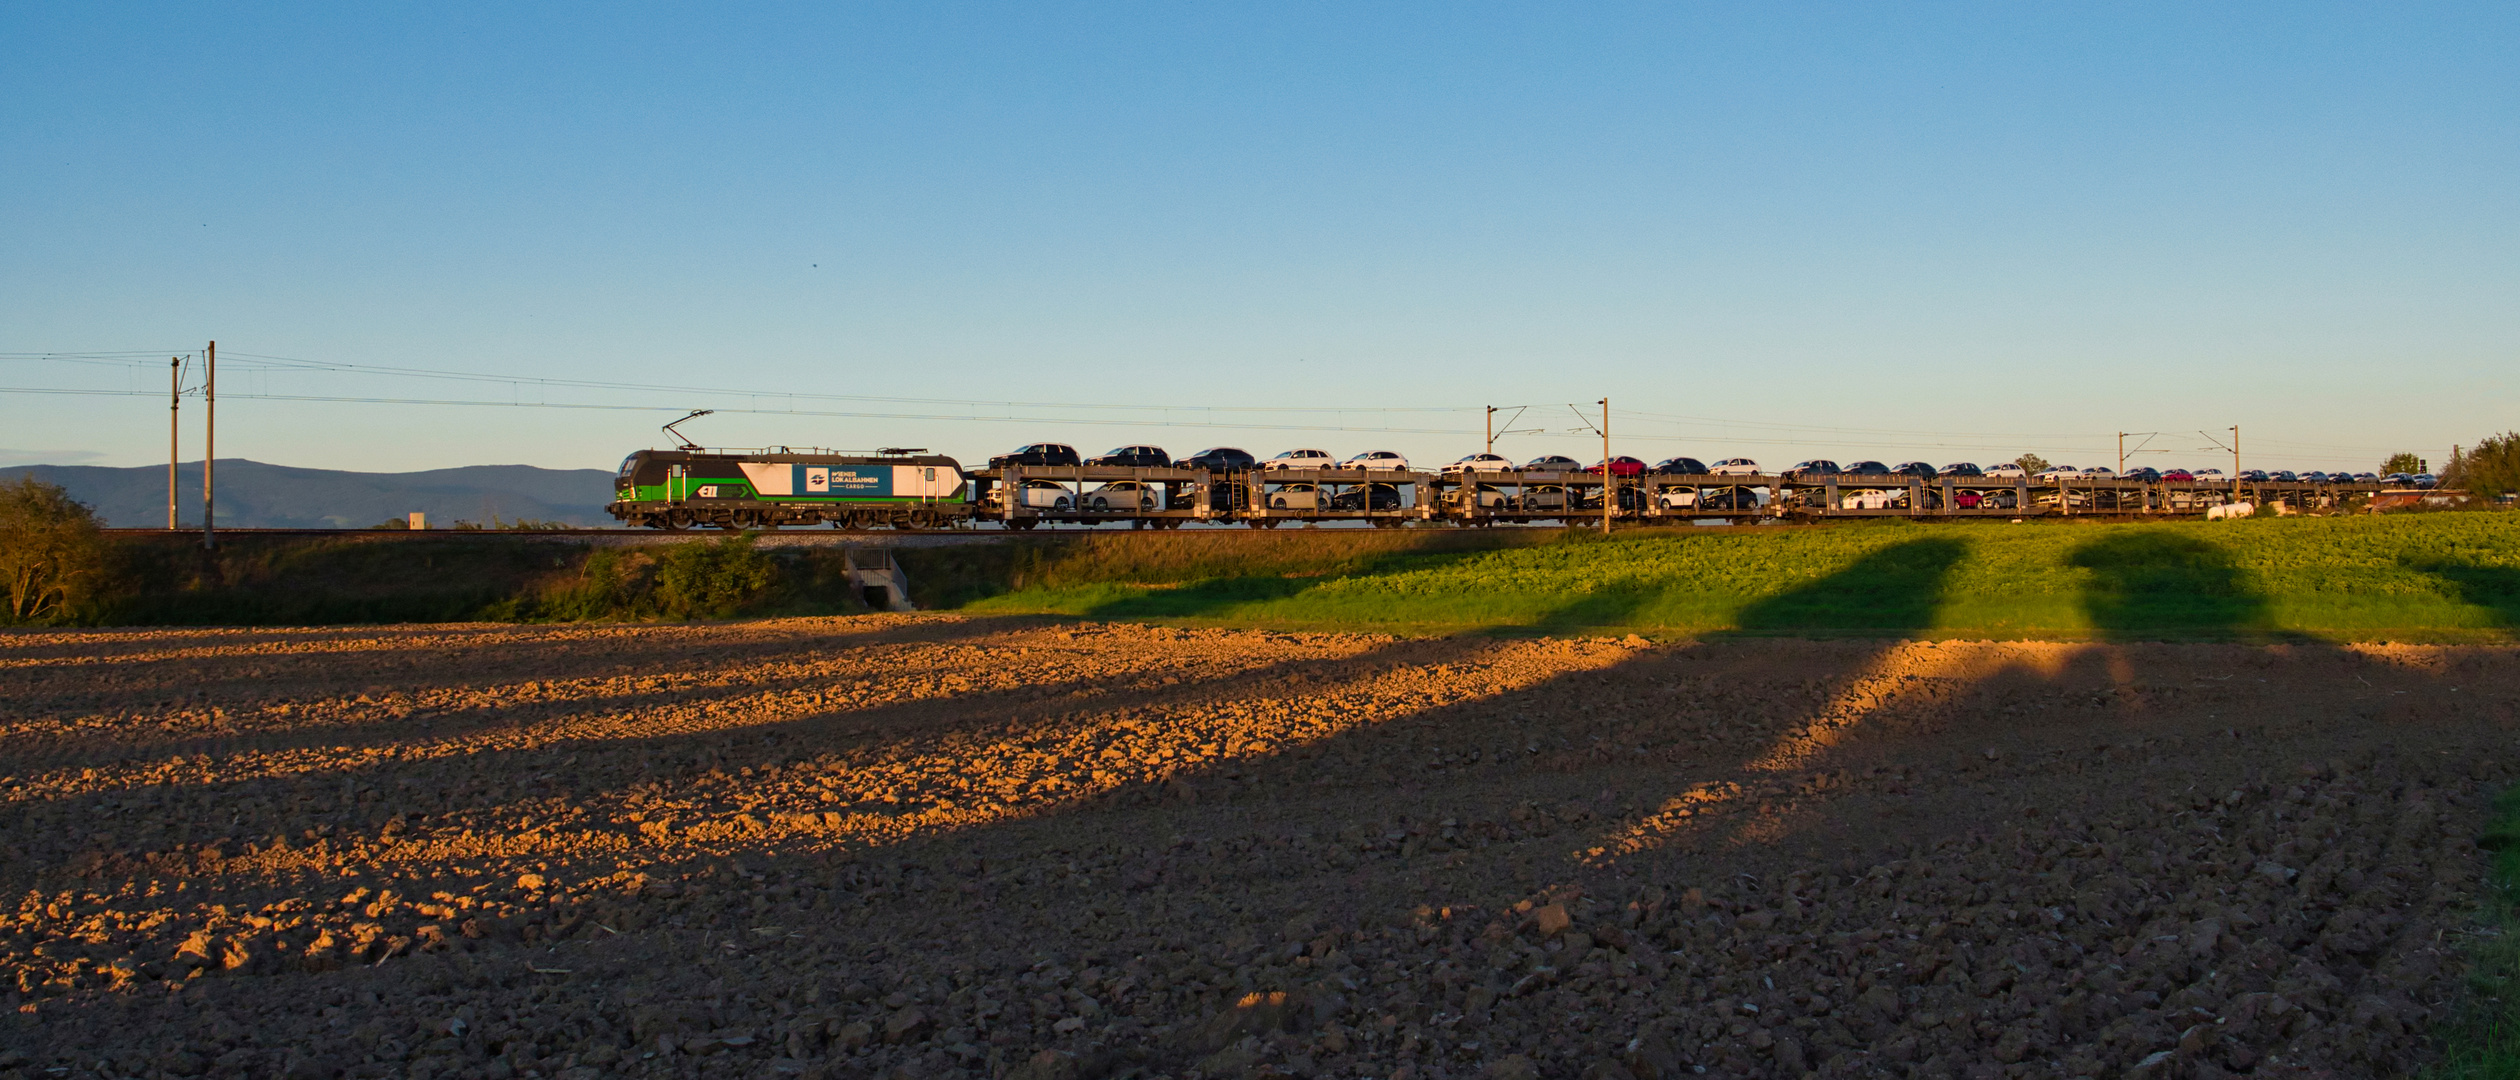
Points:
[[675, 520]]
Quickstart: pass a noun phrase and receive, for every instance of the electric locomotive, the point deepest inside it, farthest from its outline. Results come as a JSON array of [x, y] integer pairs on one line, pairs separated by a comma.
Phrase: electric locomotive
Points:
[[765, 489]]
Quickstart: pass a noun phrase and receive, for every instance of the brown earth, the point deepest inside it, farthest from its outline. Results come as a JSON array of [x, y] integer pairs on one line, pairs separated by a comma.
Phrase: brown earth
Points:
[[938, 847]]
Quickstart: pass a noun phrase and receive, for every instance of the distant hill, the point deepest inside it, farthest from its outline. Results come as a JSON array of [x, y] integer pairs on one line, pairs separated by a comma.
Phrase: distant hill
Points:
[[253, 495]]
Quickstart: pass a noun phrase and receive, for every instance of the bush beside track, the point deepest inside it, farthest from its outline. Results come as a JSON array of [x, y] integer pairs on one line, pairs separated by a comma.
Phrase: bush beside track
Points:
[[168, 580]]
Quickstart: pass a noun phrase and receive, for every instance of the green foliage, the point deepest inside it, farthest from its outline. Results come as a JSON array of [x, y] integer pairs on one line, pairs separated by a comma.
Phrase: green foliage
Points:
[[2032, 464], [51, 553], [713, 580], [355, 578], [261, 580], [2148, 582], [2491, 469], [953, 576], [703, 579], [2402, 462], [2435, 577], [2482, 1041]]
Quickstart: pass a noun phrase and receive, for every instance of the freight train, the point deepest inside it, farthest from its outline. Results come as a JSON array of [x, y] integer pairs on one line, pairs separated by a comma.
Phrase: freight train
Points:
[[912, 489], [765, 489]]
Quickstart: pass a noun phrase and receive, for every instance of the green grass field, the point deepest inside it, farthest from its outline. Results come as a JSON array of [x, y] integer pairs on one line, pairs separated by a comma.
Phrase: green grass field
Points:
[[2481, 1041], [2436, 577]]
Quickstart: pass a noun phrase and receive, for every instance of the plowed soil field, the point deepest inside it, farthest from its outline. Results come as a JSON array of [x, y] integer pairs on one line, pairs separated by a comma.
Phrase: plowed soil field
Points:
[[938, 847]]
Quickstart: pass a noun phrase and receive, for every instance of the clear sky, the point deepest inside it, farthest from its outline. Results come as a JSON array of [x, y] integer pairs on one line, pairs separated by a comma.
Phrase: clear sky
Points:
[[1937, 231]]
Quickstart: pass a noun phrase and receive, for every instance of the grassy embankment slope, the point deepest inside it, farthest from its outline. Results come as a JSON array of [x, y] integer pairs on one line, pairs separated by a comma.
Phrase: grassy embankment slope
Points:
[[2440, 577]]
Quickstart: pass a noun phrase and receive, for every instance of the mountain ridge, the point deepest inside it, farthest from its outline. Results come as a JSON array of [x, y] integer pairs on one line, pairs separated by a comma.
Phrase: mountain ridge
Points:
[[259, 495]]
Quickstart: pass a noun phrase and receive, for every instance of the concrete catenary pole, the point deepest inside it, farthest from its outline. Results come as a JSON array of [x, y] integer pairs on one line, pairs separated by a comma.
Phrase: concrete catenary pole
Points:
[[209, 441], [1609, 479], [2235, 462], [174, 405]]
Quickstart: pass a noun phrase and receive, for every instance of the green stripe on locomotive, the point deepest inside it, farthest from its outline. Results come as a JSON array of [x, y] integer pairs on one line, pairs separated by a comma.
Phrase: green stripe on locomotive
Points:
[[789, 479]]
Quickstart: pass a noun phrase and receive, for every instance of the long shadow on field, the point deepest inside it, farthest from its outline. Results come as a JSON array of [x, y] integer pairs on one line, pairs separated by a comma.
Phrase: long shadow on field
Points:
[[238, 670], [1891, 592], [2494, 588], [506, 718], [1217, 596], [1896, 590], [1439, 804], [577, 776], [2168, 586]]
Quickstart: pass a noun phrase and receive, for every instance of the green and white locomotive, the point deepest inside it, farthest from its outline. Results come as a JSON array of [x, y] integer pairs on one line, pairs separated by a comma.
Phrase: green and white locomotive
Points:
[[768, 488]]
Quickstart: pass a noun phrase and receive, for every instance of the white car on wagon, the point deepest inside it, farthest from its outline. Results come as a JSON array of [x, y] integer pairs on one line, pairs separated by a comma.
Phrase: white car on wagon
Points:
[[1301, 459], [1481, 463]]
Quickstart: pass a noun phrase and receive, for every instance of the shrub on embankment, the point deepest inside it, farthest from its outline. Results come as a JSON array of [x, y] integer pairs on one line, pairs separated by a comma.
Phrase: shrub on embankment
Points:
[[355, 578]]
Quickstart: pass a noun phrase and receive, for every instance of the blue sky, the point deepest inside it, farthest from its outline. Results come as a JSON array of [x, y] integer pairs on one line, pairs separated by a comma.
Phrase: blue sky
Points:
[[1937, 231]]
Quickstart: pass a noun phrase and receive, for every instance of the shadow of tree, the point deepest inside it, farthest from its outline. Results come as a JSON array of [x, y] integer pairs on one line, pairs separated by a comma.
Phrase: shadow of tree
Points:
[[2494, 588], [1451, 806], [1217, 596], [2156, 585], [1896, 590]]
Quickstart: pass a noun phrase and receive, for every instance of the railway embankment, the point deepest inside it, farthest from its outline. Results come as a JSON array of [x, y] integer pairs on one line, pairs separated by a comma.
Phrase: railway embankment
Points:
[[2438, 577]]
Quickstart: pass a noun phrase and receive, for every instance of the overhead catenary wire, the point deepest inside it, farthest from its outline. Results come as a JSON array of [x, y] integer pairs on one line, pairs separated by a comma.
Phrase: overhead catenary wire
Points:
[[294, 364], [857, 414], [1770, 432], [1586, 431]]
